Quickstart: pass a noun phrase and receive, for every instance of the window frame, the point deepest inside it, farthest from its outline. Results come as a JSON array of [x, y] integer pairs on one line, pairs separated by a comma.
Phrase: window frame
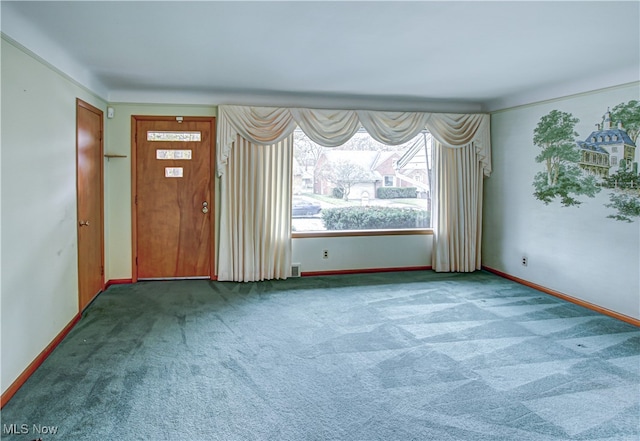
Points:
[[355, 233]]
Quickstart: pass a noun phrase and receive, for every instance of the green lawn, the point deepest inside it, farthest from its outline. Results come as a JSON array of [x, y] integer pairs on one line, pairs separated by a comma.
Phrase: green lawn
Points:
[[326, 199]]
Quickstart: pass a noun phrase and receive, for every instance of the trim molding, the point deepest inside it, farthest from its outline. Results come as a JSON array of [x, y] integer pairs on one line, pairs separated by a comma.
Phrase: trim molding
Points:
[[129, 281], [583, 303], [35, 364], [117, 282], [357, 233], [363, 271]]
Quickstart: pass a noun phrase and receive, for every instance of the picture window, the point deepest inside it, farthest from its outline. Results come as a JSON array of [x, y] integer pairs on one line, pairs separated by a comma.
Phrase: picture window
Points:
[[333, 185]]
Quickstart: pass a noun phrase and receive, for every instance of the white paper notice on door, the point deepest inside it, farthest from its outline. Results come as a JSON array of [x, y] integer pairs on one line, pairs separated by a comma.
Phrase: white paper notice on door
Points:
[[173, 172], [173, 154]]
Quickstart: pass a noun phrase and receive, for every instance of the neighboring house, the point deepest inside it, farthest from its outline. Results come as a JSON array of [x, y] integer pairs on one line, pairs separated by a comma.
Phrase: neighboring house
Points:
[[603, 150], [384, 165], [412, 170], [381, 170]]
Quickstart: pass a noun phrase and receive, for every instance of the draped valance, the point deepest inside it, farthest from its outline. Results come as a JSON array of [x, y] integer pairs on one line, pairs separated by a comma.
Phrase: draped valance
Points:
[[331, 128]]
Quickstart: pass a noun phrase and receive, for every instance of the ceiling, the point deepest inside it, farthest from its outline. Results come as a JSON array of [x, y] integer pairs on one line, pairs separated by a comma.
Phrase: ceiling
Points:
[[420, 55]]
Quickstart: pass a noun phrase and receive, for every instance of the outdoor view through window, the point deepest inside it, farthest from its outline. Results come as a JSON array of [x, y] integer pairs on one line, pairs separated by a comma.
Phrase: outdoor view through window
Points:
[[361, 185]]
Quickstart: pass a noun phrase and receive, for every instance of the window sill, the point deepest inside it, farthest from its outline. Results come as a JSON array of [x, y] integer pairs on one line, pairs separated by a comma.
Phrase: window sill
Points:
[[355, 233]]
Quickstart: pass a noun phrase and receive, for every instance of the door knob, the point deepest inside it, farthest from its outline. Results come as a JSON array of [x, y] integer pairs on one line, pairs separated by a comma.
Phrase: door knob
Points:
[[205, 207], [84, 223]]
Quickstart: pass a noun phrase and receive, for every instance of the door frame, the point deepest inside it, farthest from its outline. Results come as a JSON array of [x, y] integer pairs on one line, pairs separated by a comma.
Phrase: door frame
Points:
[[134, 186], [83, 104]]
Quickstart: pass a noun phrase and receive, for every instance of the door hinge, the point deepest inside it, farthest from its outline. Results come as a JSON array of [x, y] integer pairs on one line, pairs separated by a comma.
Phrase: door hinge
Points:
[[136, 260], [100, 135], [136, 200], [102, 270]]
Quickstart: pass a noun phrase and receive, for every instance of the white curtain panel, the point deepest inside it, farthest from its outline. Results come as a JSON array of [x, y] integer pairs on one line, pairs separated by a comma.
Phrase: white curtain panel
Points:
[[457, 215], [462, 159], [466, 135], [460, 130], [255, 212]]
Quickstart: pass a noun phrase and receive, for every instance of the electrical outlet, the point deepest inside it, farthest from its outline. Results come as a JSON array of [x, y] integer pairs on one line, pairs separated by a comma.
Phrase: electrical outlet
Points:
[[525, 261], [325, 254]]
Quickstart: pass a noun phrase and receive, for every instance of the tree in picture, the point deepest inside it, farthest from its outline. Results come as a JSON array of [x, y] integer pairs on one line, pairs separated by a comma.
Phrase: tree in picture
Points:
[[629, 115], [625, 182], [562, 177], [627, 206]]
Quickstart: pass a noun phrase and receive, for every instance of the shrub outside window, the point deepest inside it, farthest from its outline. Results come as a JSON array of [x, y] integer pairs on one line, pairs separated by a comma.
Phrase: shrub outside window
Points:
[[361, 185]]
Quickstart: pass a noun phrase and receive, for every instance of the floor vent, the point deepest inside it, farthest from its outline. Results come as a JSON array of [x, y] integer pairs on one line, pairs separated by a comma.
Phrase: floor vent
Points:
[[295, 270]]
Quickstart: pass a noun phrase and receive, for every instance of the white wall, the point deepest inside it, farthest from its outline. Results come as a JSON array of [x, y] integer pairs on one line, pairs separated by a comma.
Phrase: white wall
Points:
[[362, 252], [39, 236], [577, 251]]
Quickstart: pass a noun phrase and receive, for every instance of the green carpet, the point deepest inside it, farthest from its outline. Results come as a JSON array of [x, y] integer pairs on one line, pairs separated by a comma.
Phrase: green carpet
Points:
[[388, 356]]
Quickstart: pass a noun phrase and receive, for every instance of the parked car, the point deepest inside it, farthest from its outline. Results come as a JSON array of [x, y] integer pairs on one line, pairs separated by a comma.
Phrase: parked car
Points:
[[304, 208]]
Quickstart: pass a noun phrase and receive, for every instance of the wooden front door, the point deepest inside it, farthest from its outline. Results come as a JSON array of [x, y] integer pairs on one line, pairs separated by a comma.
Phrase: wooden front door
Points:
[[172, 197], [89, 164]]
